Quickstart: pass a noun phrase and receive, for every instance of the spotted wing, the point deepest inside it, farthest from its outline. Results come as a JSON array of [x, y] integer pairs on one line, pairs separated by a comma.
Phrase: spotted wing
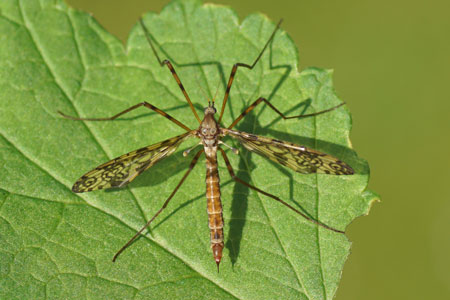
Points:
[[296, 157], [123, 169]]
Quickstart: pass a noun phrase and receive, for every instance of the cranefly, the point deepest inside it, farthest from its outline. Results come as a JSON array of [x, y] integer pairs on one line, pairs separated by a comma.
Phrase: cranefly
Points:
[[123, 169]]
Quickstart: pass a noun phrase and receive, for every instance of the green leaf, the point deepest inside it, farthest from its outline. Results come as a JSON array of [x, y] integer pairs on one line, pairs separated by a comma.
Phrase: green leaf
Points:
[[57, 244]]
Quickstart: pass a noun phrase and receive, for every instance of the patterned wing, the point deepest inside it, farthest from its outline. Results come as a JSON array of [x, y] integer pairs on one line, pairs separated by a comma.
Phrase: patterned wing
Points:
[[123, 169], [298, 158]]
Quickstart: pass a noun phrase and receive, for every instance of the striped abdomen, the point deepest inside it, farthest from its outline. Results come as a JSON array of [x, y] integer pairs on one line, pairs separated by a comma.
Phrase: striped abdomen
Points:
[[214, 205]]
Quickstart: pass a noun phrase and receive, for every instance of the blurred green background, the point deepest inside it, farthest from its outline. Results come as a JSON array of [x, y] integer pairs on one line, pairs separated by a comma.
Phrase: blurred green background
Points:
[[392, 67]]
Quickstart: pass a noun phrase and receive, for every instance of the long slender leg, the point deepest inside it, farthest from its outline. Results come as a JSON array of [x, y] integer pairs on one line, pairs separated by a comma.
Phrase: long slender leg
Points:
[[236, 65], [261, 99], [191, 166], [146, 104], [230, 170], [172, 70]]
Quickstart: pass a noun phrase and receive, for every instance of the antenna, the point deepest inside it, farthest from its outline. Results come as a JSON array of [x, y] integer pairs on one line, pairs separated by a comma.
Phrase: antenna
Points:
[[201, 88], [217, 90]]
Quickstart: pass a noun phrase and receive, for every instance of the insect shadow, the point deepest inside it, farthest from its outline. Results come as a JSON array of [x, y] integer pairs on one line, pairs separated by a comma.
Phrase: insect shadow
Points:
[[148, 114], [239, 204]]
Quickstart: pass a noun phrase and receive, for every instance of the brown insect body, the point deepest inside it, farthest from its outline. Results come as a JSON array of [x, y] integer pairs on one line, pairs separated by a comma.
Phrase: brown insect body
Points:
[[209, 132]]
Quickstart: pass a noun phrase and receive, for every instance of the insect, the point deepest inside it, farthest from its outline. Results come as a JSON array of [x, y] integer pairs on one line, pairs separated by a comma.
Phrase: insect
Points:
[[124, 169]]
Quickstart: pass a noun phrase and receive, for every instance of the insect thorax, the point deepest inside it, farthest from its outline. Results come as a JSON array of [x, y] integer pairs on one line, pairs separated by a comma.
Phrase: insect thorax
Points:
[[209, 129]]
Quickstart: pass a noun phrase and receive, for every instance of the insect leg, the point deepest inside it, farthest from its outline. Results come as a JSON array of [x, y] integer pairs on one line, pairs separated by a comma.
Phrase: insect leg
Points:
[[146, 104], [230, 170], [235, 67], [191, 166], [172, 70], [261, 99]]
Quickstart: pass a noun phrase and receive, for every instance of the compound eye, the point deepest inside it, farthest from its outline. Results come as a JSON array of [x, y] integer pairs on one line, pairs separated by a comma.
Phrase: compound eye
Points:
[[213, 130], [204, 130]]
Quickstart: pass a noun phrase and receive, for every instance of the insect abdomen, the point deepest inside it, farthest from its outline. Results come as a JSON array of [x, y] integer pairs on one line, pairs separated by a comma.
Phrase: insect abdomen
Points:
[[214, 205]]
